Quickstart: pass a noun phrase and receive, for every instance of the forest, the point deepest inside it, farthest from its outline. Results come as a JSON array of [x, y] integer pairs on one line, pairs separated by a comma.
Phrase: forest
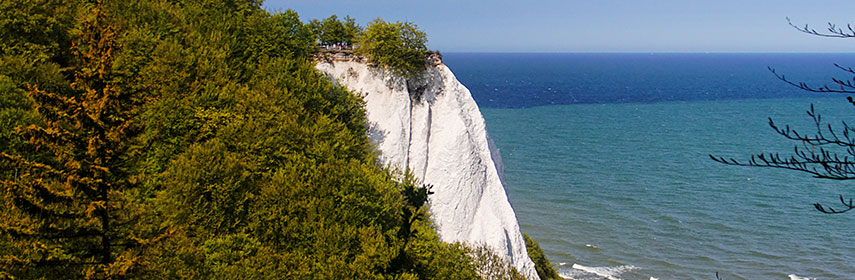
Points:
[[168, 139]]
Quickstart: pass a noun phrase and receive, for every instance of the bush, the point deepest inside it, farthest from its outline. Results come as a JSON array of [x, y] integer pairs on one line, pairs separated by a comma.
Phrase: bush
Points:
[[491, 266], [544, 268]]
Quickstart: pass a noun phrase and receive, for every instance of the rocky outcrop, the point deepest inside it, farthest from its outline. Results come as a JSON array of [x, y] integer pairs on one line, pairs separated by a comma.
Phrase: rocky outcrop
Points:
[[431, 125]]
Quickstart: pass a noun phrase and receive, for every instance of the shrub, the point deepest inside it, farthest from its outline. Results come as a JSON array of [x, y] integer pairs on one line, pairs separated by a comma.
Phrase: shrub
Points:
[[491, 266], [544, 268]]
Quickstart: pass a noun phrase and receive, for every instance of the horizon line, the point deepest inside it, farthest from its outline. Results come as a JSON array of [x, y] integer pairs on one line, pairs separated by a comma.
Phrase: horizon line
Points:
[[642, 52]]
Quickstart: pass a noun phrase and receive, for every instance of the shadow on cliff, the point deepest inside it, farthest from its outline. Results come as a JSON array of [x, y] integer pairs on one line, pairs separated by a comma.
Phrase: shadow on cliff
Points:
[[375, 133]]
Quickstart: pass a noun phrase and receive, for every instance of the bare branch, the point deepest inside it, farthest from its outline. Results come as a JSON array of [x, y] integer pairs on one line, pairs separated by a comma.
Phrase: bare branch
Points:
[[821, 89], [821, 153], [812, 155], [833, 30], [848, 205]]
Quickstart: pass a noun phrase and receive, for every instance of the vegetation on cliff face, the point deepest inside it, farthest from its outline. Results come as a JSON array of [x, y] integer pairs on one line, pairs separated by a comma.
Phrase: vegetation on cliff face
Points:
[[194, 139], [542, 264]]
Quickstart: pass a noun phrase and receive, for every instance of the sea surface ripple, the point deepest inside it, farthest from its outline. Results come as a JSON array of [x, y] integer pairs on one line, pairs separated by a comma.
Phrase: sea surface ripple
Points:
[[623, 188]]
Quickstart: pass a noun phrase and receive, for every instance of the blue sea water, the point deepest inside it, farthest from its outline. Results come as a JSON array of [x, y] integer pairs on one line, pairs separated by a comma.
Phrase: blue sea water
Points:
[[606, 162]]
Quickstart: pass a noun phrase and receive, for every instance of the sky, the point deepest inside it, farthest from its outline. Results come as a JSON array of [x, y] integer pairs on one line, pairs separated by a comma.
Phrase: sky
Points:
[[601, 25]]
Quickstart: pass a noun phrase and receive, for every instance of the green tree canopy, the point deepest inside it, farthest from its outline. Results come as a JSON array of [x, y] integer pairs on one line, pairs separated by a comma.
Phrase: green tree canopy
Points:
[[400, 47], [352, 31], [73, 207], [332, 30], [194, 139]]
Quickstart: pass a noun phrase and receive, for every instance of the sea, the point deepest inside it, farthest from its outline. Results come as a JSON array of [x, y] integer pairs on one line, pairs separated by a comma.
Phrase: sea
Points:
[[607, 161]]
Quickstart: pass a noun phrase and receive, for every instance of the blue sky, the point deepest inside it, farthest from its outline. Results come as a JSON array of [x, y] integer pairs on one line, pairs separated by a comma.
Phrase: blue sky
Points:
[[601, 25]]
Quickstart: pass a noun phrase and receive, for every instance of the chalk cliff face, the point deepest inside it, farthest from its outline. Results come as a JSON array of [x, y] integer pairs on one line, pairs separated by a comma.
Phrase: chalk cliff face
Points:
[[431, 125]]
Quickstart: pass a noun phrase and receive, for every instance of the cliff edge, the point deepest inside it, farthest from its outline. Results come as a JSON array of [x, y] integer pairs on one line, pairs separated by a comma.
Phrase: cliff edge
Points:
[[431, 125]]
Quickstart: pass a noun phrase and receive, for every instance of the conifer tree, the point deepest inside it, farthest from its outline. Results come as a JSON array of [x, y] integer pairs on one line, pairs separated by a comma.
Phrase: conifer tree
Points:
[[69, 212]]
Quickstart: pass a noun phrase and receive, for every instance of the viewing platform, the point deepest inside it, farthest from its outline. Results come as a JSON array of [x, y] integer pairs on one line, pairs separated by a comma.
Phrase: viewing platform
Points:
[[348, 54]]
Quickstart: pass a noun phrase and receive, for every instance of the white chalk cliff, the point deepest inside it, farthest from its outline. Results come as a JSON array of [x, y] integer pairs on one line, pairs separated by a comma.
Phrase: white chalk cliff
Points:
[[432, 126]]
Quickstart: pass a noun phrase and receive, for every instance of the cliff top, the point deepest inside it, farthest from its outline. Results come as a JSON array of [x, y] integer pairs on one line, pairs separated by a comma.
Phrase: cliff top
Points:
[[434, 58]]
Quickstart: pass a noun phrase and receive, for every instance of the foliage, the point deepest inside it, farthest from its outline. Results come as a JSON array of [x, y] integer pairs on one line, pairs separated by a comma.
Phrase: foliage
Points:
[[37, 30], [71, 208], [352, 31], [542, 264], [825, 152], [491, 266], [400, 47], [332, 30], [194, 140]]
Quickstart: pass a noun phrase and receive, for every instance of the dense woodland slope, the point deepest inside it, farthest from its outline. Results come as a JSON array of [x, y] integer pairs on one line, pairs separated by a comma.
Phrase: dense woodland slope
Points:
[[194, 139]]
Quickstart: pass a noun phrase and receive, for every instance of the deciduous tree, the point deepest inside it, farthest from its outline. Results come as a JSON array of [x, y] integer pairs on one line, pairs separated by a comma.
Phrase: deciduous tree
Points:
[[398, 46]]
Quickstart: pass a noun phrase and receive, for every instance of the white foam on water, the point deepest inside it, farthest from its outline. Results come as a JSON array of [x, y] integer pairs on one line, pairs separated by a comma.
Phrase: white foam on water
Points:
[[654, 278], [796, 277], [607, 272]]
